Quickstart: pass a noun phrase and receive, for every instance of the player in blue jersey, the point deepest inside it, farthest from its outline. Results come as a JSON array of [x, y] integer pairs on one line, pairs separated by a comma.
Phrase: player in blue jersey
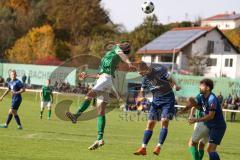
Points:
[[160, 83], [17, 88], [213, 116]]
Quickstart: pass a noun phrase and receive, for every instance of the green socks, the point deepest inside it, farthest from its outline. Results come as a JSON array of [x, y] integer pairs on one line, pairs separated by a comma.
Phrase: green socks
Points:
[[201, 154], [49, 114], [83, 107], [194, 151], [101, 125]]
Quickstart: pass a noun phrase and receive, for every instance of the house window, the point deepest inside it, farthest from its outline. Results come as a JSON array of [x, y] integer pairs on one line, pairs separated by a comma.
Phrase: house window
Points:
[[153, 59], [210, 47], [212, 62], [227, 25], [228, 62], [165, 58], [227, 46]]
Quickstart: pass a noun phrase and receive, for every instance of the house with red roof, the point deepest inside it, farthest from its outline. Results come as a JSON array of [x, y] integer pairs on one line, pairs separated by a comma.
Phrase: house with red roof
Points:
[[175, 48], [223, 21]]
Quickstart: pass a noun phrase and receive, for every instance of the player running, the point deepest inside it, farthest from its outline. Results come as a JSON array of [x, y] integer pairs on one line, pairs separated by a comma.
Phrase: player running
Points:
[[46, 96], [17, 88], [103, 87], [160, 83], [213, 116]]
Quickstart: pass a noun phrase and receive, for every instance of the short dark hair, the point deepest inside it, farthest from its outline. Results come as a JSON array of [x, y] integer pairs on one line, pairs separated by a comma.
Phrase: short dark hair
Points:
[[208, 82], [126, 47], [142, 65]]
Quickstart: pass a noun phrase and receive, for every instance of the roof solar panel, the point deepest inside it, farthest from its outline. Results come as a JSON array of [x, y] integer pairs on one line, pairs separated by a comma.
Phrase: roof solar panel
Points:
[[174, 39]]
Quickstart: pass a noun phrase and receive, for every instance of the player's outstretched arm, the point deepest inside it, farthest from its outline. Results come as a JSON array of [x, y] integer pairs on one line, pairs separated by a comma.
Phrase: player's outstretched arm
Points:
[[173, 83], [206, 118], [4, 94], [190, 104], [84, 75], [125, 59]]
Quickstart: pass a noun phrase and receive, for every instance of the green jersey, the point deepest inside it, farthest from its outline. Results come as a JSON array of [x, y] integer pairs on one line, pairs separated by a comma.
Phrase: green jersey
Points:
[[46, 94], [110, 61], [198, 114]]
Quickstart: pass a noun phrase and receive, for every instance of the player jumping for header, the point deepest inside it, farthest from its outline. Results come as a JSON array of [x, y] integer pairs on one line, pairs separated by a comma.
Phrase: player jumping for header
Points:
[[160, 83], [103, 87]]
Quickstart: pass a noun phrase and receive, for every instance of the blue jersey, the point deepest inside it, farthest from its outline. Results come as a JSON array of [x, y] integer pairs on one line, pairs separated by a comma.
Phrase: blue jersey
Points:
[[208, 104], [15, 85], [157, 81]]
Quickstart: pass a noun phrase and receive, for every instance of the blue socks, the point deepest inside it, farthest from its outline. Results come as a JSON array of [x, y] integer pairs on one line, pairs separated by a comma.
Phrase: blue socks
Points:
[[163, 135], [147, 136], [9, 118], [213, 156]]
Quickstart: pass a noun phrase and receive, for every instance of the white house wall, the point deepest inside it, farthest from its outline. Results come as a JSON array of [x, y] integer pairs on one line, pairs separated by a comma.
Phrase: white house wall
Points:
[[200, 46], [146, 58], [222, 24], [221, 70]]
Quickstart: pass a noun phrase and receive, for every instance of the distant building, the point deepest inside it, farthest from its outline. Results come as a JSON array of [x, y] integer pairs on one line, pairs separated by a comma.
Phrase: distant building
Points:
[[223, 21], [180, 44]]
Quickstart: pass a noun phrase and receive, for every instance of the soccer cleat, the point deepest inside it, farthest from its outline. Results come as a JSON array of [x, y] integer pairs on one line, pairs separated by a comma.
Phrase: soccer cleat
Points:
[[3, 126], [20, 127], [157, 150], [71, 116], [40, 116], [96, 145], [141, 151]]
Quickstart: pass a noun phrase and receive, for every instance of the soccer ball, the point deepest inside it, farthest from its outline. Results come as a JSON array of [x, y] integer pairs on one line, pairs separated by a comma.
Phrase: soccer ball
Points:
[[148, 7]]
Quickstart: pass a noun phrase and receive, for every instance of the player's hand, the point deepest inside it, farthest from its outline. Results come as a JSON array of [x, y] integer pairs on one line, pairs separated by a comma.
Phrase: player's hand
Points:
[[132, 67], [82, 76], [14, 93], [177, 88], [192, 120]]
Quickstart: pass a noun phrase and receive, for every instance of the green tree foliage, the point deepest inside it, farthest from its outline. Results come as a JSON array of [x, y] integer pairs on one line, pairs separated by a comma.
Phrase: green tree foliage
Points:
[[234, 36], [37, 44], [146, 32]]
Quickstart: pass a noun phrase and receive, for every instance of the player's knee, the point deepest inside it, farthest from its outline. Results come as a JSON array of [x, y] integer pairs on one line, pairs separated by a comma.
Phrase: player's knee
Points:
[[211, 148], [151, 125], [192, 143], [165, 123], [90, 95]]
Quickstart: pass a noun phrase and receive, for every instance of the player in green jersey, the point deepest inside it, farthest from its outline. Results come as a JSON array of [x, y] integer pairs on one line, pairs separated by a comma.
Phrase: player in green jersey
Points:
[[103, 87], [46, 96]]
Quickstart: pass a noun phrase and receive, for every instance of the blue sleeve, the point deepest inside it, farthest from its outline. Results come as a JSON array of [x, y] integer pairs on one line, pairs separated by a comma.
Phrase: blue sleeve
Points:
[[162, 72], [212, 102], [20, 85], [199, 100]]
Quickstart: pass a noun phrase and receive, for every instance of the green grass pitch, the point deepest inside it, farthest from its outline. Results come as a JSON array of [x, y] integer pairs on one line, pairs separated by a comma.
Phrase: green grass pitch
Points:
[[60, 140]]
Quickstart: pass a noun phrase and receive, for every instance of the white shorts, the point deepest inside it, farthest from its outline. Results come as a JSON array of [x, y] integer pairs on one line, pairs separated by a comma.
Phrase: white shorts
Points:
[[103, 87], [200, 133], [46, 104]]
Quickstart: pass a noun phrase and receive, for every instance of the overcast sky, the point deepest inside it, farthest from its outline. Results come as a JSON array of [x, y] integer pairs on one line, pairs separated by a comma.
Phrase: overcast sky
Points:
[[129, 13]]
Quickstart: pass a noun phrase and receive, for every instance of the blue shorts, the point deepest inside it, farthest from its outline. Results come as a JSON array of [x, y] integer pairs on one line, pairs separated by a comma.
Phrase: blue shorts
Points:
[[162, 107], [216, 135], [16, 104]]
